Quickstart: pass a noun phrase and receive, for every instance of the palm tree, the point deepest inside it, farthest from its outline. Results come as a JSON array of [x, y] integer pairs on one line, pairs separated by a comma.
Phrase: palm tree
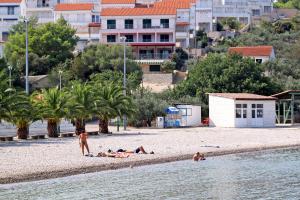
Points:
[[52, 106], [110, 103], [81, 104]]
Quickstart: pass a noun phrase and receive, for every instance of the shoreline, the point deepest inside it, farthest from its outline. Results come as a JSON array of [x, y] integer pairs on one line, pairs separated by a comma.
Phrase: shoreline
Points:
[[114, 166]]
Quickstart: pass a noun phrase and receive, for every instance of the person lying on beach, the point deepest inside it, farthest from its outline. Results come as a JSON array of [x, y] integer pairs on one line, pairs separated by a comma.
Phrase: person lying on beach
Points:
[[83, 142], [198, 156], [113, 155], [137, 150]]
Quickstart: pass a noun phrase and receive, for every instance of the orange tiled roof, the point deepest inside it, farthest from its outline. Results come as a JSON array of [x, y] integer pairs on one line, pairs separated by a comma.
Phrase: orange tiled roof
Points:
[[252, 51], [118, 2], [10, 1], [137, 11], [72, 7], [179, 4], [242, 96]]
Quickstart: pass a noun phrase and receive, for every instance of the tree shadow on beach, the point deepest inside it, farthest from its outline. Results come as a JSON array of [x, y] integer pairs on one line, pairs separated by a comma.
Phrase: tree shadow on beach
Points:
[[21, 143], [126, 134]]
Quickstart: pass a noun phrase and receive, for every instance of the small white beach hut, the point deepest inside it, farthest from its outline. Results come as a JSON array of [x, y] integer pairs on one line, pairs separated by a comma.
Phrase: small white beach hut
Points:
[[241, 110], [191, 114]]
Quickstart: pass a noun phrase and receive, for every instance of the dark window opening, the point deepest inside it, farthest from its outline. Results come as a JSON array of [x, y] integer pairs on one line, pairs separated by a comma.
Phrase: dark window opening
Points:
[[128, 24], [147, 23], [111, 24], [111, 38], [154, 68]]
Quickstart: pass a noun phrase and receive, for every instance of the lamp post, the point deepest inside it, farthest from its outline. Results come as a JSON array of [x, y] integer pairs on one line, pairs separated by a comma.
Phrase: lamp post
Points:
[[9, 69], [26, 70], [60, 74], [123, 39]]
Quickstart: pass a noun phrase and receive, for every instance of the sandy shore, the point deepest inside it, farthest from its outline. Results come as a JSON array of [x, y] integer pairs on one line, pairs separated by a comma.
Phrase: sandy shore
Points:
[[50, 158]]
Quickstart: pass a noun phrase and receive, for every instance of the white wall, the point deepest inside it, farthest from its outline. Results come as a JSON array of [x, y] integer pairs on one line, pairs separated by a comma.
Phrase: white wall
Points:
[[269, 115], [193, 117], [221, 112]]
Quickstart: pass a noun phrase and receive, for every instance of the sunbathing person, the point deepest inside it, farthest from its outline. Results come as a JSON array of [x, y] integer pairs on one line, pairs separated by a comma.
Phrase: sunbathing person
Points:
[[113, 155], [137, 150]]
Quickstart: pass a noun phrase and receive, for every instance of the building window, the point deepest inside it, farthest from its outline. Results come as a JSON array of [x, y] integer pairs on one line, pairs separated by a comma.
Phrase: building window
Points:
[[164, 23], [128, 23], [260, 111], [164, 38], [241, 111], [96, 18], [257, 110], [4, 36], [146, 38], [267, 9], [147, 23], [10, 10], [154, 68], [259, 61], [111, 24], [111, 38], [129, 38], [256, 12]]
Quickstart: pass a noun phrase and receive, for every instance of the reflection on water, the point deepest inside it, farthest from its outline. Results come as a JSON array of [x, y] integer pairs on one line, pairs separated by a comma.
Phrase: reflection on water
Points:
[[259, 175]]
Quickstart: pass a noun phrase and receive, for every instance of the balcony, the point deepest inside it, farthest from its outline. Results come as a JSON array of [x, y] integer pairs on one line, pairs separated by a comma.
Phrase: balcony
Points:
[[153, 56]]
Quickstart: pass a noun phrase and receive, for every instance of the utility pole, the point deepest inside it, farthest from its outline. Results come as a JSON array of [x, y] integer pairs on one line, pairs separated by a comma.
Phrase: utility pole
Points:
[[26, 70], [123, 39], [9, 69], [60, 74]]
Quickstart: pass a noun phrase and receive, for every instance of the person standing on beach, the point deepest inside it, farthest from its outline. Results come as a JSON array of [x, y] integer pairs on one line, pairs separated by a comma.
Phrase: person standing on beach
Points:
[[83, 142]]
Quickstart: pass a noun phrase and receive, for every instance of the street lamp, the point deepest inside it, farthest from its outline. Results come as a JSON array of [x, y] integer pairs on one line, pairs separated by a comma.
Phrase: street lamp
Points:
[[60, 74], [26, 76], [9, 69], [123, 39]]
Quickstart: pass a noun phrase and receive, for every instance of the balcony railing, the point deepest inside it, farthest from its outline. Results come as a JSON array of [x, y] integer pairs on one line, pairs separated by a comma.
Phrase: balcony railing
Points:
[[153, 56]]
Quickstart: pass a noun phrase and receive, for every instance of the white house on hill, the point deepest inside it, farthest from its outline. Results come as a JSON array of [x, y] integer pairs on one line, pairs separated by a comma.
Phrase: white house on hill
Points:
[[241, 110], [261, 54]]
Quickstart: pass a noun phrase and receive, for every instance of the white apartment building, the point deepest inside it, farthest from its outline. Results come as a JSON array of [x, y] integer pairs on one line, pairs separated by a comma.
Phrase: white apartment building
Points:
[[209, 12], [83, 17], [153, 30], [260, 54], [10, 10]]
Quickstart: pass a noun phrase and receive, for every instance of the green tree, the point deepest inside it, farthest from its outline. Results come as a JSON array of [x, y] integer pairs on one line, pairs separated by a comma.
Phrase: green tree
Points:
[[49, 44], [133, 79], [52, 105], [225, 73], [81, 104], [168, 66], [101, 57], [110, 103], [179, 57], [231, 23], [21, 113], [201, 37], [148, 107]]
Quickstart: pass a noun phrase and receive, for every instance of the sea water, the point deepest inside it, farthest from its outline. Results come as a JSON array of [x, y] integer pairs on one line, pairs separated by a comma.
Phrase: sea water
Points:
[[258, 175]]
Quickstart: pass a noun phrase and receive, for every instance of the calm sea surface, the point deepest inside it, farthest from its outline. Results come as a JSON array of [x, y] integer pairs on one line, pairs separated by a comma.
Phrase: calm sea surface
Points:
[[260, 175]]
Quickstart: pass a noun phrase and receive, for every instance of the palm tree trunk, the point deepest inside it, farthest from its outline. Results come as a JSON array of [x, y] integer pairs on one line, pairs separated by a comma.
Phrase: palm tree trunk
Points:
[[52, 129], [22, 133], [79, 125], [103, 126]]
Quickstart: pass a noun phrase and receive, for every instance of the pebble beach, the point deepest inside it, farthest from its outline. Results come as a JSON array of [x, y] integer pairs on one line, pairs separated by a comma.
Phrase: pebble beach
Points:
[[50, 158]]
